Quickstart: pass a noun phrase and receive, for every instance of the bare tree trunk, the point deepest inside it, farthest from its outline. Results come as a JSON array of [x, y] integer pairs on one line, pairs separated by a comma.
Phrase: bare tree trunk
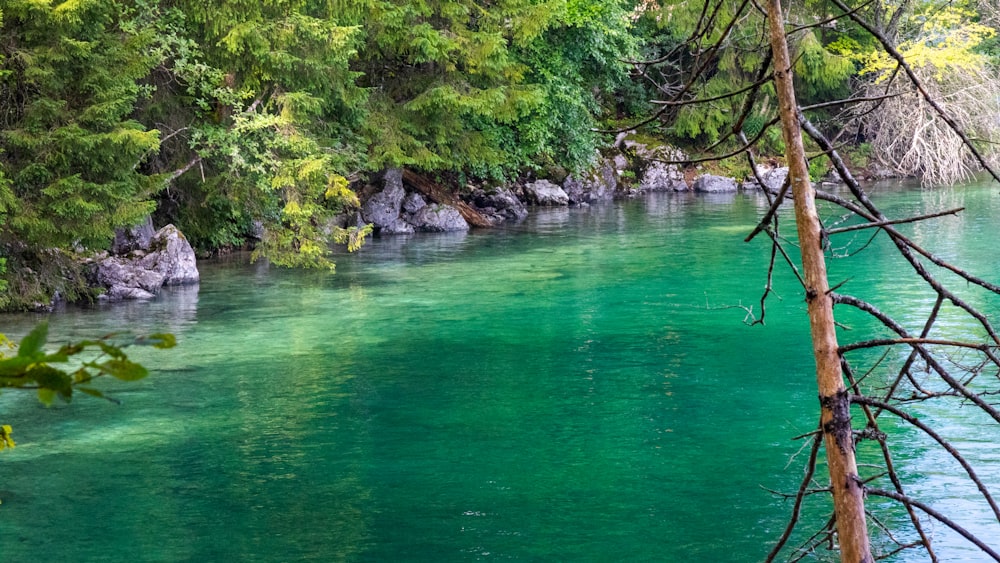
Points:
[[848, 501]]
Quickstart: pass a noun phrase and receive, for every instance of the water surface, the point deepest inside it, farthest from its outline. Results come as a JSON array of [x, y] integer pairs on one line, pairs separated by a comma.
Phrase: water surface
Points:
[[578, 387]]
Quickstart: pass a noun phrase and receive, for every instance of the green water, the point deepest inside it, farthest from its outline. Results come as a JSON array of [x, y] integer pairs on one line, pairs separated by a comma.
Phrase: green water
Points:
[[579, 387]]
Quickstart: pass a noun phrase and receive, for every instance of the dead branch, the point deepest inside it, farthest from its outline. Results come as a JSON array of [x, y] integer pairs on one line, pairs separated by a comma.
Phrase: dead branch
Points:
[[937, 516]]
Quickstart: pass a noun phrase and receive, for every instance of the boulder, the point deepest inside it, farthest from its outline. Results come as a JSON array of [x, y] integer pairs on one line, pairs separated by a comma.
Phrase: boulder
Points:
[[773, 178], [121, 275], [171, 255], [133, 238], [167, 260], [652, 167], [598, 184], [662, 177], [397, 227], [412, 203], [383, 208], [543, 192], [501, 202], [709, 183], [439, 218]]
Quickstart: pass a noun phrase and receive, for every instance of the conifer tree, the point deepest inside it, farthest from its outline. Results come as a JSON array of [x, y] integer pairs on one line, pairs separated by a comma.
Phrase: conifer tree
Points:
[[69, 149]]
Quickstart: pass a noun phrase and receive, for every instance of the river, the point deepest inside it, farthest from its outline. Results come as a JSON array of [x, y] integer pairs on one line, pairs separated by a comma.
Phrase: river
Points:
[[582, 386]]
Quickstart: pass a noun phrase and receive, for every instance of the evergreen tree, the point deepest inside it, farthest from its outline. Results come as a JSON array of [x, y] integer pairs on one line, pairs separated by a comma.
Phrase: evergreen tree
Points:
[[70, 150]]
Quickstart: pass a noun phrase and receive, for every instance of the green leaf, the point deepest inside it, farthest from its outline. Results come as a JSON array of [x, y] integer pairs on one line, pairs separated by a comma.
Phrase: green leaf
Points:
[[123, 370], [15, 367], [53, 379], [90, 391], [32, 344], [46, 396], [111, 350], [161, 340]]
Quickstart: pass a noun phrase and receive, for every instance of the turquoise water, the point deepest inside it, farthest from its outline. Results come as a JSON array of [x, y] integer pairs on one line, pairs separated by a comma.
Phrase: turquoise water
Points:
[[579, 387]]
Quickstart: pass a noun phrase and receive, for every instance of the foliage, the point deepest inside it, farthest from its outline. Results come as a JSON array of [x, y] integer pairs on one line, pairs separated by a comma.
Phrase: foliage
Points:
[[32, 368], [69, 147], [906, 133]]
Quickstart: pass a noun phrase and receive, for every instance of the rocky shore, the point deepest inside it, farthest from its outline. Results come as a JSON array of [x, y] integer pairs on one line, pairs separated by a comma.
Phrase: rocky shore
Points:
[[401, 202], [396, 201]]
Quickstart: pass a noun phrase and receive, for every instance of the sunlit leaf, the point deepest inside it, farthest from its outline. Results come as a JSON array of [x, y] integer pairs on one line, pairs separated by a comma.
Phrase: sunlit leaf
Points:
[[46, 396], [5, 440]]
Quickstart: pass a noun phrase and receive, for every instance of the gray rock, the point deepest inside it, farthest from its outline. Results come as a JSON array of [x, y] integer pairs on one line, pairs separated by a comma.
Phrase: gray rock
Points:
[[171, 255], [383, 208], [543, 192], [774, 178], [133, 238], [169, 260], [652, 168], [119, 273], [398, 227], [439, 218], [122, 293], [598, 184], [662, 177], [714, 184], [412, 203], [503, 202]]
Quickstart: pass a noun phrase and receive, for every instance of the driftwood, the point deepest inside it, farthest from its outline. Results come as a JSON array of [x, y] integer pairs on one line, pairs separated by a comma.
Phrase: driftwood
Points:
[[438, 194]]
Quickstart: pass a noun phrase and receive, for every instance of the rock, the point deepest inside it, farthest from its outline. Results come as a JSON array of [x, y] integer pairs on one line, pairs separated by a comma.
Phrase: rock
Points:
[[714, 184], [598, 184], [662, 177], [122, 293], [543, 192], [118, 273], [168, 260], [773, 178], [383, 208], [398, 227], [412, 203], [503, 202], [171, 255], [133, 238], [652, 168], [439, 218]]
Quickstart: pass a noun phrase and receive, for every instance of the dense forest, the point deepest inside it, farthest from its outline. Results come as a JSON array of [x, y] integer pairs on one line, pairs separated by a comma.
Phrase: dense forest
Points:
[[234, 117]]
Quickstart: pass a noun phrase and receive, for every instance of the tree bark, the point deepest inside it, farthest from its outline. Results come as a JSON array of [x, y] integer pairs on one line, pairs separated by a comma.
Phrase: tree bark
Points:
[[438, 194], [835, 417]]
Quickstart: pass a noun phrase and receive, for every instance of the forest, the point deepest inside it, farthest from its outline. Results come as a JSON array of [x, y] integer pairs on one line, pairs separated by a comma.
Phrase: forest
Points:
[[232, 117], [262, 125]]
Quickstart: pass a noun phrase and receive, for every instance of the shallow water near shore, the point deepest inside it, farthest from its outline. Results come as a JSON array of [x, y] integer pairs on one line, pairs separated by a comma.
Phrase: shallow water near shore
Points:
[[578, 387]]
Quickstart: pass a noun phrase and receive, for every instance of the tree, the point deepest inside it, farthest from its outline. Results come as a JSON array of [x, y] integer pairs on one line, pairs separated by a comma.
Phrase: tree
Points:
[[909, 135], [32, 368], [900, 393], [70, 149]]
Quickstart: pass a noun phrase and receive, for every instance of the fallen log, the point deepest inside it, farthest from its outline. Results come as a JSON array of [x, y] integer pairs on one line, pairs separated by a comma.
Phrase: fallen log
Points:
[[439, 194]]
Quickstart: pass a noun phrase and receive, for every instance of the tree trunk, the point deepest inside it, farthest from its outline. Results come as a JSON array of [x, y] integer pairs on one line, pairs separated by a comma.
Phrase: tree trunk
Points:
[[438, 194], [835, 418]]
